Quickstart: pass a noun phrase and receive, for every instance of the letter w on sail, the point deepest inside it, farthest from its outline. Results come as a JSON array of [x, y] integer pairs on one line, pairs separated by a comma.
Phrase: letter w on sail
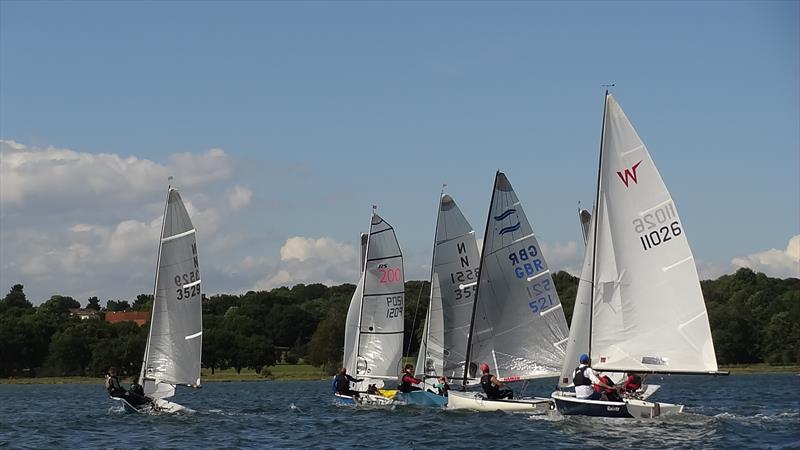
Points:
[[629, 174]]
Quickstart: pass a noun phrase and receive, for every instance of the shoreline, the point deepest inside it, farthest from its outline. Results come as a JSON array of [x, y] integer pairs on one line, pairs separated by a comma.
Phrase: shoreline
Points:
[[303, 372]]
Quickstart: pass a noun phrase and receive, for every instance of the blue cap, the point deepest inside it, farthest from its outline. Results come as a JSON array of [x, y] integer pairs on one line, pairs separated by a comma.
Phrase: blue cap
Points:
[[584, 359]]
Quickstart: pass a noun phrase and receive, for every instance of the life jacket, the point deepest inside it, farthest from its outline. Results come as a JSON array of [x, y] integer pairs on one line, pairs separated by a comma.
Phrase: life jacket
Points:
[[406, 381], [113, 387], [488, 387], [579, 377], [341, 383], [633, 383]]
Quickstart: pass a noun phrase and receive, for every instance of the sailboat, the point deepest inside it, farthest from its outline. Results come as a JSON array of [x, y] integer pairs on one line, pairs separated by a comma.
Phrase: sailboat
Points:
[[454, 272], [517, 324], [174, 342], [639, 307], [373, 337]]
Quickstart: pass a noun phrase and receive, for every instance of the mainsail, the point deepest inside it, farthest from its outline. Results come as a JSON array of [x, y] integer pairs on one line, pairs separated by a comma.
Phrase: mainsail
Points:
[[374, 327], [648, 312], [174, 344], [519, 326], [454, 276]]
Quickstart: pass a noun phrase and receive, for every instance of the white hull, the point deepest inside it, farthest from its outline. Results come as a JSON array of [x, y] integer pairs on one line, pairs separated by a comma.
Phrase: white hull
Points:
[[478, 402], [365, 400], [159, 406]]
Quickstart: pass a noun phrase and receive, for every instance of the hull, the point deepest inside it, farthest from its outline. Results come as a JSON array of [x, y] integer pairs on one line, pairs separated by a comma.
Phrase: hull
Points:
[[477, 402], [568, 405], [363, 400], [422, 398], [158, 406]]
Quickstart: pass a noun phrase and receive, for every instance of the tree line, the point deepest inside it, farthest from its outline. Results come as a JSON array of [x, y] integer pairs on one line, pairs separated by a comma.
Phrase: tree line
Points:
[[754, 319]]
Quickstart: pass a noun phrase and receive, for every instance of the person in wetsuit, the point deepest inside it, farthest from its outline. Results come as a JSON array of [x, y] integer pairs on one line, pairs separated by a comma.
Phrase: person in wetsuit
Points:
[[116, 390], [492, 387], [342, 383], [407, 380]]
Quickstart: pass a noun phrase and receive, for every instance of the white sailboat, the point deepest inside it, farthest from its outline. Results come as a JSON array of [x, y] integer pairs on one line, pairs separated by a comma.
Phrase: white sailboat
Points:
[[639, 307], [174, 343], [373, 341], [454, 272], [518, 325]]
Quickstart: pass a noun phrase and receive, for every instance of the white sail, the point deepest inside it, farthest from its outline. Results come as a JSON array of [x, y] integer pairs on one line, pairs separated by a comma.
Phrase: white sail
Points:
[[453, 284], [578, 343], [519, 326], [648, 312], [379, 301], [174, 344]]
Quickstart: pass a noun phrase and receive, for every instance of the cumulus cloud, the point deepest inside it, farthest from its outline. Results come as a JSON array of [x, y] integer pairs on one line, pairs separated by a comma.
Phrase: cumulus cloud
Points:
[[308, 260], [53, 179], [775, 262], [567, 257], [239, 197]]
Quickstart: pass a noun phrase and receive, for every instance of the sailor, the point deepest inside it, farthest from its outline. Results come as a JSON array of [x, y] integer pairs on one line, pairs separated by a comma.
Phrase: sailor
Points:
[[492, 387], [633, 382], [342, 383], [407, 379], [116, 390], [442, 386], [584, 378]]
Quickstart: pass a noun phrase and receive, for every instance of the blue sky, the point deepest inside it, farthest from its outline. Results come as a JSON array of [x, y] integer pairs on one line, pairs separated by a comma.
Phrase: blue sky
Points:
[[321, 109]]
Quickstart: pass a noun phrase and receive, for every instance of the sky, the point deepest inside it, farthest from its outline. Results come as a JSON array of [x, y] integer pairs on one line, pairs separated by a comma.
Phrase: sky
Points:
[[284, 122]]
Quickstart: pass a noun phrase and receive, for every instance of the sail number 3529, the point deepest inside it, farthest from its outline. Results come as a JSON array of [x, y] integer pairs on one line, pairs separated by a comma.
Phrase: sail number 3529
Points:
[[187, 278]]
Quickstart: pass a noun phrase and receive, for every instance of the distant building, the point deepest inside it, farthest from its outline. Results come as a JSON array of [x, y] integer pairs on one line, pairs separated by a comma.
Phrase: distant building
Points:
[[140, 317], [84, 313]]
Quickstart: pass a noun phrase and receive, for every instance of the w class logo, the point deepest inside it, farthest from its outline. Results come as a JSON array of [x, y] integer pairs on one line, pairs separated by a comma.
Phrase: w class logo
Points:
[[629, 175]]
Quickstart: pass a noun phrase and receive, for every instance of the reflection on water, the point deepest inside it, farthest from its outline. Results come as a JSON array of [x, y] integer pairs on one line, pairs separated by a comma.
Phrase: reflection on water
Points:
[[756, 411]]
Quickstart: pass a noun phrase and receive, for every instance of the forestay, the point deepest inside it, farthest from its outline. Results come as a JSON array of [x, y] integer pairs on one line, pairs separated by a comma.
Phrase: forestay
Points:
[[519, 325], [174, 344], [453, 284], [379, 301], [648, 312]]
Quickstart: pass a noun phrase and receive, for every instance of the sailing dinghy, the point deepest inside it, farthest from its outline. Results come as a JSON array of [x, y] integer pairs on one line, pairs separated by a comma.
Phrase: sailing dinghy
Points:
[[373, 336], [517, 323], [174, 343], [639, 307], [454, 272]]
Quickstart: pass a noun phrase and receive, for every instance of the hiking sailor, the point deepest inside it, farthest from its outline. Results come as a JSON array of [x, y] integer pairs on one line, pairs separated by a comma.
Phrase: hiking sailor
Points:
[[492, 387], [584, 377]]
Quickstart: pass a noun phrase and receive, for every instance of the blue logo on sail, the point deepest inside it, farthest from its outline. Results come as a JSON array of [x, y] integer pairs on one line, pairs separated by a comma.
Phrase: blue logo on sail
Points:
[[505, 214], [509, 229]]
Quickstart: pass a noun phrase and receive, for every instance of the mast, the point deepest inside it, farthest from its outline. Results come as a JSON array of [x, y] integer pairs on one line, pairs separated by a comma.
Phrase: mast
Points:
[[596, 216], [478, 286], [426, 337], [155, 284], [363, 285]]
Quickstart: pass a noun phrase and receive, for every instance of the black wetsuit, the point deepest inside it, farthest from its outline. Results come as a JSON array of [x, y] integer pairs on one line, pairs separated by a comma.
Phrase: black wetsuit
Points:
[[493, 392], [116, 390], [343, 384]]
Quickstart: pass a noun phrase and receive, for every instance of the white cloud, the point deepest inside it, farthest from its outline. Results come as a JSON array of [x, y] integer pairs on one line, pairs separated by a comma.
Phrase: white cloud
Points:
[[239, 197], [567, 257], [307, 260], [46, 180], [774, 262]]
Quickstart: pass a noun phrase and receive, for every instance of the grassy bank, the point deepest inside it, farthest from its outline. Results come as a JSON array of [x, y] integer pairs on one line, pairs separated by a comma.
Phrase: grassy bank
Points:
[[307, 372], [281, 372], [761, 368]]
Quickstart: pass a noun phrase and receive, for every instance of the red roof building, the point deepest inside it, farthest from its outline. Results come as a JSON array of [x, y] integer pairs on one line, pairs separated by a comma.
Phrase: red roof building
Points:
[[140, 317]]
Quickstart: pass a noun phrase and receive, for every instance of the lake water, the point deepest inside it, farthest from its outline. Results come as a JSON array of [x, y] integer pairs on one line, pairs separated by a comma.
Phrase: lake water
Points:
[[740, 411]]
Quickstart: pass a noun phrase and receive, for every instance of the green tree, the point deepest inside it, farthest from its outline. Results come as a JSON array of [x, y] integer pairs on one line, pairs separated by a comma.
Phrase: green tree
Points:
[[15, 299], [93, 303], [117, 305]]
